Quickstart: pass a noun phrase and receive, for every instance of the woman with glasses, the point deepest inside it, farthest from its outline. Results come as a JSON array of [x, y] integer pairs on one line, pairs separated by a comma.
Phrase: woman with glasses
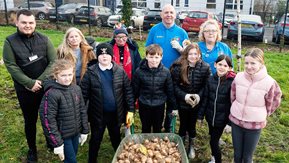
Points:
[[125, 51], [210, 45]]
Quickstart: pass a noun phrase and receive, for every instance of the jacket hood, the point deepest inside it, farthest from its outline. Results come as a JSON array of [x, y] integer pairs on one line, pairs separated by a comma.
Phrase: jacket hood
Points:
[[51, 83]]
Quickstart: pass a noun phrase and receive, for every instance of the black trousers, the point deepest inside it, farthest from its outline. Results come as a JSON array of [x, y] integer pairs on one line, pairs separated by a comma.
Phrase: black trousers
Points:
[[215, 134], [151, 117], [29, 103], [188, 120], [109, 121]]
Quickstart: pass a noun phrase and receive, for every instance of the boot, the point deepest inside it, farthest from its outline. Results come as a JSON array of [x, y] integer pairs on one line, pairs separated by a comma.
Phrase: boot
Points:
[[32, 156], [191, 153]]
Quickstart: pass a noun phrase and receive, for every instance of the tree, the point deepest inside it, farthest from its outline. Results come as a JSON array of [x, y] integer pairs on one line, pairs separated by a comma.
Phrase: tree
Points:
[[263, 7], [281, 5], [126, 11]]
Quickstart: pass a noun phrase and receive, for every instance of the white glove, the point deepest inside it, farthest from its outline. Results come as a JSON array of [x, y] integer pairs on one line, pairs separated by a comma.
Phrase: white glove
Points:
[[175, 113], [228, 129], [196, 98], [185, 43], [59, 151], [189, 100], [176, 45], [82, 139]]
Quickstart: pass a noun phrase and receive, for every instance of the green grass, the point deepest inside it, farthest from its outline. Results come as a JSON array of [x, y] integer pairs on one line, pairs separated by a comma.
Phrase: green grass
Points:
[[272, 147]]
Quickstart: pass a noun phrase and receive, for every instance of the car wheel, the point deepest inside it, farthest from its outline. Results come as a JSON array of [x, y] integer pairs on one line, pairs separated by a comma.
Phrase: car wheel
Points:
[[132, 24], [278, 39], [72, 19], [41, 16], [273, 38], [98, 23], [229, 37]]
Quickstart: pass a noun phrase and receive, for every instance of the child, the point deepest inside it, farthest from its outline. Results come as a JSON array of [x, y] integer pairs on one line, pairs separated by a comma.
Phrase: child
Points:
[[216, 103], [190, 75], [107, 88], [255, 95], [63, 113], [153, 87]]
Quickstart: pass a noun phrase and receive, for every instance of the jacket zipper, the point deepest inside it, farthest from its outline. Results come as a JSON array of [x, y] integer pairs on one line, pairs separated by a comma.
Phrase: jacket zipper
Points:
[[153, 88], [215, 102], [247, 97]]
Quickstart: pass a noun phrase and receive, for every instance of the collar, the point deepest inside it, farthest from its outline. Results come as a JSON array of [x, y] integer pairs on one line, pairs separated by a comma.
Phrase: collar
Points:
[[165, 27], [103, 68], [24, 35], [261, 74]]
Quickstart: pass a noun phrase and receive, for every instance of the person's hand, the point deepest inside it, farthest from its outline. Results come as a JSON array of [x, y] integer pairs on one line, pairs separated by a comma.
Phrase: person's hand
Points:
[[189, 100], [200, 123], [176, 45], [196, 98], [37, 86], [175, 113], [82, 139], [228, 129], [185, 43], [60, 152], [129, 118]]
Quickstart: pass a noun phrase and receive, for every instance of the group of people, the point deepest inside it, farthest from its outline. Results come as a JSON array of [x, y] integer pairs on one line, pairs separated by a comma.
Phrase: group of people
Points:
[[74, 87]]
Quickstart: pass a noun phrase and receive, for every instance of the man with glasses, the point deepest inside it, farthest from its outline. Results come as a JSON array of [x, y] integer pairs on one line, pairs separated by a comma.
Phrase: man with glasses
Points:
[[125, 51]]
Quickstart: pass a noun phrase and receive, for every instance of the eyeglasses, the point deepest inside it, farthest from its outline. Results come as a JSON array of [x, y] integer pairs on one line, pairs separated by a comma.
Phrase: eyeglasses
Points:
[[210, 31], [121, 38]]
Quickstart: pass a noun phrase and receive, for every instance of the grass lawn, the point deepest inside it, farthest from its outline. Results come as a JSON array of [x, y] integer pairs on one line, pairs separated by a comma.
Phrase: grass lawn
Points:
[[272, 147]]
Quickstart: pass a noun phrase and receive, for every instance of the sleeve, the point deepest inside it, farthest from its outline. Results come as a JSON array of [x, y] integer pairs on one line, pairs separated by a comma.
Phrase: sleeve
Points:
[[205, 81], [85, 87], [128, 92], [204, 103], [136, 84], [273, 98], [150, 38], [171, 100], [179, 93], [137, 57], [14, 70], [233, 91], [83, 114], [51, 56], [48, 115]]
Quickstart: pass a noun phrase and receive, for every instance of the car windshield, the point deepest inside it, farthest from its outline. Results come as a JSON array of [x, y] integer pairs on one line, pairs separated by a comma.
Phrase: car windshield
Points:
[[66, 6], [198, 15], [154, 13]]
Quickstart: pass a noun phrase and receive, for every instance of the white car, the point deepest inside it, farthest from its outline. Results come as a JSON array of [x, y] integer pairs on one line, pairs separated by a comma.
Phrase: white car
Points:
[[136, 19]]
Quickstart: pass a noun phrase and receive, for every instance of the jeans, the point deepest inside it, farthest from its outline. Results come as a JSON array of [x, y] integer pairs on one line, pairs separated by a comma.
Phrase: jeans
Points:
[[29, 103], [70, 149], [215, 135], [97, 131], [244, 143], [151, 117]]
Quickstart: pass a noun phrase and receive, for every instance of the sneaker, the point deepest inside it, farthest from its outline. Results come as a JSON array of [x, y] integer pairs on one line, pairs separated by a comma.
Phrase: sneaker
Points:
[[212, 159], [31, 156], [192, 153]]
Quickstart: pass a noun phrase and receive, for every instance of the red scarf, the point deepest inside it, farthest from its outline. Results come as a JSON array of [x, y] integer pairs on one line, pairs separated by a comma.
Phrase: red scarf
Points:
[[127, 65]]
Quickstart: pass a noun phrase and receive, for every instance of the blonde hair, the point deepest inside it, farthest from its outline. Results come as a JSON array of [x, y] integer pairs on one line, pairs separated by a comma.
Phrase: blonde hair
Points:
[[61, 65], [256, 53], [203, 26], [64, 50]]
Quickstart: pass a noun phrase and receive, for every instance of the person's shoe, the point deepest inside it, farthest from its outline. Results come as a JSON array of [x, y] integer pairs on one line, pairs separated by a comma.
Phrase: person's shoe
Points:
[[222, 142], [212, 160], [192, 153], [31, 156]]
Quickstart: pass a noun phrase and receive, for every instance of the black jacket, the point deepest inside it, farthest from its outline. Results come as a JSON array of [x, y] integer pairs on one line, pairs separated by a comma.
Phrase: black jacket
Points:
[[92, 92], [134, 53], [62, 112], [154, 87], [216, 101], [197, 77]]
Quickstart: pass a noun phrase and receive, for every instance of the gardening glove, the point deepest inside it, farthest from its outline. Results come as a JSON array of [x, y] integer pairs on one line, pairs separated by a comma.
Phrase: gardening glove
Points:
[[196, 98], [176, 45], [59, 151], [82, 139], [189, 100], [175, 113], [185, 43], [129, 118]]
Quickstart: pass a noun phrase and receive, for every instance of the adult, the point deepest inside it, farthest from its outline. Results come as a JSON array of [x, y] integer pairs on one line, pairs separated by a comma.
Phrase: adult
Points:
[[169, 36], [210, 45], [125, 51], [75, 48], [28, 56]]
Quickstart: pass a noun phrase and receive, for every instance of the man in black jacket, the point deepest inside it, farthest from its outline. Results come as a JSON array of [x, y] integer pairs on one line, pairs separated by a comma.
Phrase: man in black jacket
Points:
[[28, 56]]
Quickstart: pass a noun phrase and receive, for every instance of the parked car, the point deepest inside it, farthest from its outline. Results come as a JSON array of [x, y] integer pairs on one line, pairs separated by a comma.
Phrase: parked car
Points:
[[39, 8], [151, 18], [195, 19], [278, 30], [182, 15], [66, 12], [136, 19], [98, 15], [251, 27], [228, 19]]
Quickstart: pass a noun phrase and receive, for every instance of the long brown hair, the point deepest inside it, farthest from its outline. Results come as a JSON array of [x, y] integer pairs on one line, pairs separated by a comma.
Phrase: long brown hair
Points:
[[183, 61]]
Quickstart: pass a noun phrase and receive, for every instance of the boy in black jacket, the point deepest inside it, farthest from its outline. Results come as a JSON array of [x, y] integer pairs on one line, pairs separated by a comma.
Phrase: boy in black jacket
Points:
[[153, 87], [107, 88]]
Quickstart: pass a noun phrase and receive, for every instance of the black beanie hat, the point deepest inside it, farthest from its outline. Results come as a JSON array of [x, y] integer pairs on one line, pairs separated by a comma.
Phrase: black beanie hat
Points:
[[104, 48], [120, 30]]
